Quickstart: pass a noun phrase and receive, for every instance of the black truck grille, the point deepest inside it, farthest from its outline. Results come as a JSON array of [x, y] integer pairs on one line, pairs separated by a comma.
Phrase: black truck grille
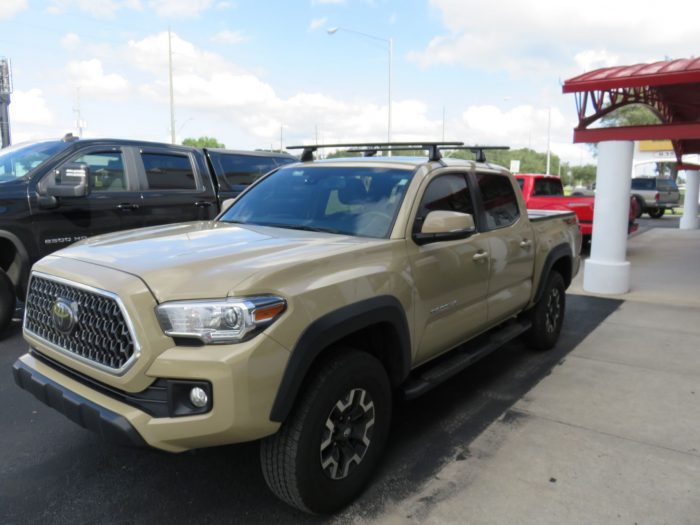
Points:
[[85, 323]]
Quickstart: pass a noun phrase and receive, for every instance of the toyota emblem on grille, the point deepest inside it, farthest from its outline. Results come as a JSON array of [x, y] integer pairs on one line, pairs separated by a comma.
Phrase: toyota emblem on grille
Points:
[[64, 315]]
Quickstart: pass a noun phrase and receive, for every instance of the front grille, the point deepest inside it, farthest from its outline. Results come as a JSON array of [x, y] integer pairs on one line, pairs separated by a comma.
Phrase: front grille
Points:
[[99, 333]]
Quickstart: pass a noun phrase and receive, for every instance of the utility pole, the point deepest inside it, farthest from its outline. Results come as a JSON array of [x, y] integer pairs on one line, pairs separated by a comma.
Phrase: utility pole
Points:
[[5, 91], [549, 136], [172, 97], [443, 123], [79, 123]]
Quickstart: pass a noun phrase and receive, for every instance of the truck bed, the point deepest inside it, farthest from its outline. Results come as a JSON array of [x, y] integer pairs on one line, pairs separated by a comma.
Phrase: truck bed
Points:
[[543, 215]]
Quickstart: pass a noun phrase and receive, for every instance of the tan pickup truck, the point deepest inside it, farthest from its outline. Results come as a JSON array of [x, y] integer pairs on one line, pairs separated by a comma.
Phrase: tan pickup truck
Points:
[[325, 289]]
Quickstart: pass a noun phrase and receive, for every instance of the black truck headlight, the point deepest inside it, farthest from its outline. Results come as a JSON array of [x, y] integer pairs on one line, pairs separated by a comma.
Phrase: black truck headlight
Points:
[[219, 321]]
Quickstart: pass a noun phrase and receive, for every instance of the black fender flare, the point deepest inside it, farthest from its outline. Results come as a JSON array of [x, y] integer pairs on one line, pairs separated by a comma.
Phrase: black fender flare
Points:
[[330, 329], [561, 251], [24, 261]]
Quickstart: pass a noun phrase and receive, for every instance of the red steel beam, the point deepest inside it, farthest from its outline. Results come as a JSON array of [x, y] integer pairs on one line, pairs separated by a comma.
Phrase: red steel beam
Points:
[[681, 131]]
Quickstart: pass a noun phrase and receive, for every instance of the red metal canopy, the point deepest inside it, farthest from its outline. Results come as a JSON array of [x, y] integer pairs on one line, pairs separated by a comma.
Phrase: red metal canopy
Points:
[[670, 88]]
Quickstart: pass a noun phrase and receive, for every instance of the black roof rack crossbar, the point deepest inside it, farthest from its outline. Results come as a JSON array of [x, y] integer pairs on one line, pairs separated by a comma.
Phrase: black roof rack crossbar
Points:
[[433, 148], [478, 151]]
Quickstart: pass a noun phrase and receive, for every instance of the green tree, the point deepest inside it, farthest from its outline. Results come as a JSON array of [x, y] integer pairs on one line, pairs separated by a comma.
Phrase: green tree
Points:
[[531, 161], [633, 115], [203, 142], [581, 175]]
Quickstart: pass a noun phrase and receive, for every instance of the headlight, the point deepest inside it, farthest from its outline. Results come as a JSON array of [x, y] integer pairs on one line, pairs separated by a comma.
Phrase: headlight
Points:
[[219, 320]]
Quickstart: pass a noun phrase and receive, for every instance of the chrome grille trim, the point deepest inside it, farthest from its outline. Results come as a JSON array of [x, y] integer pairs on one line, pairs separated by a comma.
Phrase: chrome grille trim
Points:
[[73, 355]]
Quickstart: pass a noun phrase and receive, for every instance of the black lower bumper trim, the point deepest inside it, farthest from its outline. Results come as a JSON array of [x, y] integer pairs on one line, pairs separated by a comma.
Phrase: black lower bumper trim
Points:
[[107, 424]]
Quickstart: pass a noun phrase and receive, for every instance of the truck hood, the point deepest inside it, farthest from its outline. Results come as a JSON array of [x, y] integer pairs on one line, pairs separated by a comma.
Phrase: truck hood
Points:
[[206, 259]]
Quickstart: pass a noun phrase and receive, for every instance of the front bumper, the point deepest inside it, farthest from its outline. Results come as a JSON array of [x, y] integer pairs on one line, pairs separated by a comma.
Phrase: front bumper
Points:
[[244, 379], [109, 425]]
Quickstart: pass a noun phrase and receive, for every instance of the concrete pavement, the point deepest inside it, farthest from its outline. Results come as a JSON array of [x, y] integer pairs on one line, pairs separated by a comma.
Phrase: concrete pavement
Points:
[[612, 435]]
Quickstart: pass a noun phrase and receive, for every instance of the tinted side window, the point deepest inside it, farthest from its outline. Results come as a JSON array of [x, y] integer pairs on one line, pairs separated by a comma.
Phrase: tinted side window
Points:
[[244, 169], [500, 203], [168, 172], [548, 187], [644, 184], [105, 170], [447, 192]]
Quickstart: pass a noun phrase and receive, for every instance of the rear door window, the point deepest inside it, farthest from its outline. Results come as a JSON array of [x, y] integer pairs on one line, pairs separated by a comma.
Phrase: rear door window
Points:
[[548, 188], [166, 171], [245, 169], [499, 200], [644, 184]]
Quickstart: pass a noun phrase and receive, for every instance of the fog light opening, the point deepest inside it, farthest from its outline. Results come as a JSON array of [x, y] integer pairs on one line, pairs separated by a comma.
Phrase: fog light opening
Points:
[[198, 397]]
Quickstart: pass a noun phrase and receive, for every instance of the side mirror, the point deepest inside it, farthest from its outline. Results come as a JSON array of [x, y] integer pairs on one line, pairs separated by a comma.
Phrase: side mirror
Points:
[[68, 181], [445, 226]]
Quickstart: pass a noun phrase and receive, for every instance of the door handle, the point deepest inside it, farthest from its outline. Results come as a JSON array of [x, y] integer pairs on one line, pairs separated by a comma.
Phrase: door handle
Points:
[[525, 243], [480, 256], [127, 206], [202, 204]]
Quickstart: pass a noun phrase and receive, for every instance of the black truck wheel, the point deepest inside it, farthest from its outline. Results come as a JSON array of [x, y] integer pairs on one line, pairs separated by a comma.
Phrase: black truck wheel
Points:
[[656, 213], [640, 206], [547, 316], [7, 301], [325, 452]]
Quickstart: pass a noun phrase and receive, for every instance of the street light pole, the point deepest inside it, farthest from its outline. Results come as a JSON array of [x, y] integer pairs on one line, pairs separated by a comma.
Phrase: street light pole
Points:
[[390, 44]]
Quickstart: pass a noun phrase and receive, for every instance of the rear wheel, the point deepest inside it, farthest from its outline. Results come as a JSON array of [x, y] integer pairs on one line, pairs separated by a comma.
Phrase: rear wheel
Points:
[[7, 301], [656, 213], [640, 206], [324, 454], [547, 316]]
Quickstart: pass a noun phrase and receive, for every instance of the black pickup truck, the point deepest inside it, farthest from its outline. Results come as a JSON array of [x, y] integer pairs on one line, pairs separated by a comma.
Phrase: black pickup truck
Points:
[[56, 192]]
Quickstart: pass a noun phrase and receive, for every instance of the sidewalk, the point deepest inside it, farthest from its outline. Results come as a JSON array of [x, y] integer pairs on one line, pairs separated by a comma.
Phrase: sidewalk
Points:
[[613, 434]]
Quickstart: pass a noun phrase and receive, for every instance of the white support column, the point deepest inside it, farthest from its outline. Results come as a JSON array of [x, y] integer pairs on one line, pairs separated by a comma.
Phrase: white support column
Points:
[[607, 271], [689, 221]]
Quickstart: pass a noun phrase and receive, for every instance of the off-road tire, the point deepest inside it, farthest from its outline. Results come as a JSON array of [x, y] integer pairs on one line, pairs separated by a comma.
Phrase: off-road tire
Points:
[[7, 301], [547, 316], [656, 213], [640, 206], [291, 458]]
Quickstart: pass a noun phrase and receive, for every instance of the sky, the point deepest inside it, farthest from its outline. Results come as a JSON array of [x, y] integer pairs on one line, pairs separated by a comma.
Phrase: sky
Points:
[[257, 74]]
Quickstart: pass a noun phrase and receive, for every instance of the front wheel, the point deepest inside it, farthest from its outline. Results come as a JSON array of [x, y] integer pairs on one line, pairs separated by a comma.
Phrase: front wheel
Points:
[[547, 316], [325, 452], [656, 213]]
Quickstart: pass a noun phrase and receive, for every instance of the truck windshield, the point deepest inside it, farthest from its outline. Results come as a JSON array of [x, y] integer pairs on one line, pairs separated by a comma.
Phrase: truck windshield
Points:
[[361, 201], [17, 161]]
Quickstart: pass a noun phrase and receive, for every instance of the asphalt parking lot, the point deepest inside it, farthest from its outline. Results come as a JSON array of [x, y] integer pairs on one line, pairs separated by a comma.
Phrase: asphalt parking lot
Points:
[[52, 471]]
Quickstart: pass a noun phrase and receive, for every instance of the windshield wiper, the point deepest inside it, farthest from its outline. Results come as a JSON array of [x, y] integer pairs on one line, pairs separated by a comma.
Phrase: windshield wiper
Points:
[[303, 227]]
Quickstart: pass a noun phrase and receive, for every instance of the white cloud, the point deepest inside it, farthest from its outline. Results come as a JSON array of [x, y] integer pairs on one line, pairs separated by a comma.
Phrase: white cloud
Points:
[[179, 8], [70, 41], [151, 54], [325, 2], [316, 23], [525, 37], [523, 126], [228, 37], [591, 59], [213, 89], [29, 107], [89, 76], [9, 8], [96, 8]]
